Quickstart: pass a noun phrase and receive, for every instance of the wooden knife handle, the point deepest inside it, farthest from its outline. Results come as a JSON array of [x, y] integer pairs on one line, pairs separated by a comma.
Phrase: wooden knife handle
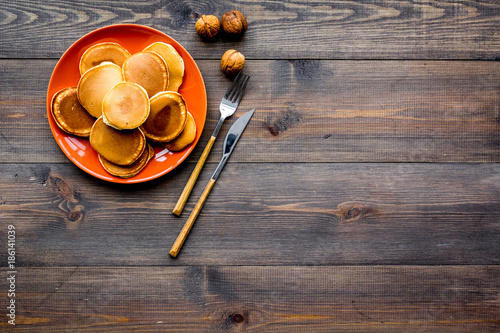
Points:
[[190, 221], [179, 206]]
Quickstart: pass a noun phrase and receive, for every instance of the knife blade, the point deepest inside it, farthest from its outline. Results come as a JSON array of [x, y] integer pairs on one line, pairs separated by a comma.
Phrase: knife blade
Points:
[[232, 137]]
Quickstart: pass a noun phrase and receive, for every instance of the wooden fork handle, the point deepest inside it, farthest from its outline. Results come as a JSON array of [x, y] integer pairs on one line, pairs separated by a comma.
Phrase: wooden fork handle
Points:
[[179, 206], [190, 221]]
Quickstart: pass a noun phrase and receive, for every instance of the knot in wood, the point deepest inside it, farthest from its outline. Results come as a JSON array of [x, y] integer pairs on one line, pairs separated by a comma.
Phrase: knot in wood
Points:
[[287, 120], [76, 214], [274, 131], [75, 217], [237, 318], [351, 212], [61, 188]]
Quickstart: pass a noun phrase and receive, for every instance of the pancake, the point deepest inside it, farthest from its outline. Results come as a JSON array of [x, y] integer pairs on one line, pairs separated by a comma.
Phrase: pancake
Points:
[[129, 170], [95, 83], [185, 138], [147, 69], [68, 113], [103, 52], [174, 62], [167, 117], [125, 106], [119, 147]]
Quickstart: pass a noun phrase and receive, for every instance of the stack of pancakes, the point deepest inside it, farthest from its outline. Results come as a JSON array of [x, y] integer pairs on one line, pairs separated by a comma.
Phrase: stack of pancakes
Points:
[[124, 102]]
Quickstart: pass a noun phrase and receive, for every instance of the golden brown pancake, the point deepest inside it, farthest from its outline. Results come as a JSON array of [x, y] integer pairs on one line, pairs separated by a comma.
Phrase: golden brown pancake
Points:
[[174, 62], [119, 147], [95, 83], [131, 170], [167, 117], [185, 138], [103, 52], [125, 106], [147, 69], [68, 113]]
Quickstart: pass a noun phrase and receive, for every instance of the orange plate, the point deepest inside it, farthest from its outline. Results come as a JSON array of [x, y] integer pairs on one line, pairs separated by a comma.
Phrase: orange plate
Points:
[[134, 38]]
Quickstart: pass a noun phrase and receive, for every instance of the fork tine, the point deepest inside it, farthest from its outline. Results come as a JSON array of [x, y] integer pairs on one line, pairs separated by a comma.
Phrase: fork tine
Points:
[[236, 87], [242, 90], [233, 84], [239, 87]]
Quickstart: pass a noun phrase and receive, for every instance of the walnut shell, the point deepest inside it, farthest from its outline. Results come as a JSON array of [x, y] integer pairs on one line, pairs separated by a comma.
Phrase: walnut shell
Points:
[[234, 23], [207, 26], [232, 62]]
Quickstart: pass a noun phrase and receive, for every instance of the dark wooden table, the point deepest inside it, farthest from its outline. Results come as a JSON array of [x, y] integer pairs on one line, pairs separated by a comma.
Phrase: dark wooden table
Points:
[[364, 195]]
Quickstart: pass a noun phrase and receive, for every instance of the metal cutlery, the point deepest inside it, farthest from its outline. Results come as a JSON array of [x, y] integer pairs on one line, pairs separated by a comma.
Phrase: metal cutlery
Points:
[[230, 141], [227, 107]]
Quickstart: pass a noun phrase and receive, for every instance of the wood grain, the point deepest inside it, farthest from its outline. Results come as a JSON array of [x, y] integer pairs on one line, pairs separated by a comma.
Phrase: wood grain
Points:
[[364, 196], [309, 111], [359, 29], [259, 214], [258, 298]]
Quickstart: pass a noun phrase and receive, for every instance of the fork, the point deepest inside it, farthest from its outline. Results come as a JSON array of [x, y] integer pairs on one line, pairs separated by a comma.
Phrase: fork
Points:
[[227, 107]]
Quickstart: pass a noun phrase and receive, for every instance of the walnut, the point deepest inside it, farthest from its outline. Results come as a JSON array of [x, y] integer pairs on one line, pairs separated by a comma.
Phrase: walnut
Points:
[[234, 23], [207, 26], [232, 62]]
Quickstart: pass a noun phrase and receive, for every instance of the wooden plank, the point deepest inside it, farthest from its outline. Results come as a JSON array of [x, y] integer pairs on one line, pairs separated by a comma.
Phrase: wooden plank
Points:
[[309, 111], [258, 214], [359, 29], [264, 299]]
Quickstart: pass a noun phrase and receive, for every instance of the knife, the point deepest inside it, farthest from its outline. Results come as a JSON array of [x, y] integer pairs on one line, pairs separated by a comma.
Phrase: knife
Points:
[[230, 141]]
